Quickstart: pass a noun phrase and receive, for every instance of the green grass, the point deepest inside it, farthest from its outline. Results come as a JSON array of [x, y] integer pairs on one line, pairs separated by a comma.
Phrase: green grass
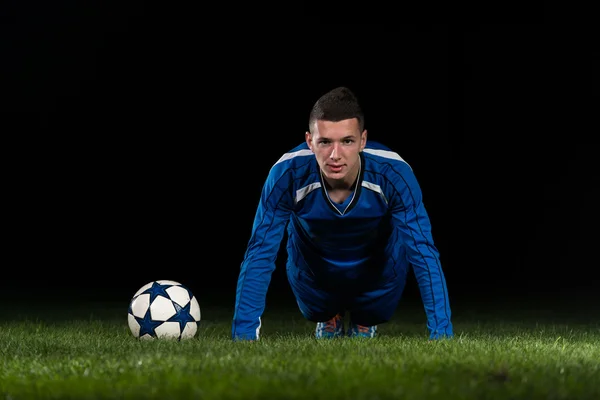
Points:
[[88, 354]]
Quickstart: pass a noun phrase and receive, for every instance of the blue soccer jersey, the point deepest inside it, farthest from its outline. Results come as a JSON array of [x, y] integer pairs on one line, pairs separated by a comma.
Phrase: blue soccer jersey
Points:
[[382, 228]]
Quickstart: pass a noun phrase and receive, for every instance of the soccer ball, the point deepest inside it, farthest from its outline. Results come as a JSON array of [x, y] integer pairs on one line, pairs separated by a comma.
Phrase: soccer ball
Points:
[[163, 310]]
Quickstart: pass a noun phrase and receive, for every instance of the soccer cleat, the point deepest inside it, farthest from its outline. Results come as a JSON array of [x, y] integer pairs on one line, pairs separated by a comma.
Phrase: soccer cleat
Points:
[[356, 330], [330, 329]]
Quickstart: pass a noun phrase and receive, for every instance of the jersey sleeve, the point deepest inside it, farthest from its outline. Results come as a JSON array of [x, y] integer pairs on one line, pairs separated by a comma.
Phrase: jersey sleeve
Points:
[[270, 220], [412, 221]]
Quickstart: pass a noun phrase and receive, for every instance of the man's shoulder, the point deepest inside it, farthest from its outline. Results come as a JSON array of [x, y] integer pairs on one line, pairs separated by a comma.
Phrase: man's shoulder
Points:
[[297, 154], [293, 162], [383, 154]]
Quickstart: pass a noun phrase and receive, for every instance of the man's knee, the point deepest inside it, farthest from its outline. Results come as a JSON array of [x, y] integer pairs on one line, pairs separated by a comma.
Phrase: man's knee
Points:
[[318, 316], [317, 313], [371, 317]]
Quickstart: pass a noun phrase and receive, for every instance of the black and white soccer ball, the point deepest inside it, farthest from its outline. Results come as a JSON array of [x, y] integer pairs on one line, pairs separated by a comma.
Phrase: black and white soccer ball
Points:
[[164, 310]]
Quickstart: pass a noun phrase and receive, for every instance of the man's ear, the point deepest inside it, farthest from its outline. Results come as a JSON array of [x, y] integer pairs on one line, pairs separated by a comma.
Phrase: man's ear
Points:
[[363, 140], [308, 137]]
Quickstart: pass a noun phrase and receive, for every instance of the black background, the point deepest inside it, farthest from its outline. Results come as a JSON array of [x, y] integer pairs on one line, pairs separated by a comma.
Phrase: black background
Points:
[[136, 151]]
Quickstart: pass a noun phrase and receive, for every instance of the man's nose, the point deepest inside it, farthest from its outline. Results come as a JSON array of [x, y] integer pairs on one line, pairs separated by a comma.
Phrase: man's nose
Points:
[[335, 153]]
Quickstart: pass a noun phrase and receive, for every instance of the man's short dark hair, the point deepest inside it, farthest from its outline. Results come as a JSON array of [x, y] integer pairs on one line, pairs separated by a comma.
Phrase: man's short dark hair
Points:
[[337, 105]]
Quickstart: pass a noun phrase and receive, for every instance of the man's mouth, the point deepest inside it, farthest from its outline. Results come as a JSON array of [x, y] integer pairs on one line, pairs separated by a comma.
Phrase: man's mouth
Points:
[[335, 168]]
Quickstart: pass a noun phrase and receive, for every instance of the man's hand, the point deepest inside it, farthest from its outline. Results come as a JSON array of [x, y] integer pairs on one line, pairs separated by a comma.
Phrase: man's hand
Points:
[[440, 336]]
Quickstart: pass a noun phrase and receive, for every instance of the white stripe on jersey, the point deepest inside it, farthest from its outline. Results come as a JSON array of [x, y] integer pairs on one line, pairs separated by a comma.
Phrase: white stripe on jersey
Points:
[[299, 153], [258, 328], [303, 192], [385, 153], [307, 152], [374, 187]]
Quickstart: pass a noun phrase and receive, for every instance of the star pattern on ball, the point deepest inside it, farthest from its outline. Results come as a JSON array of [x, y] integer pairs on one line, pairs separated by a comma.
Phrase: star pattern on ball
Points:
[[157, 290], [182, 315], [147, 325]]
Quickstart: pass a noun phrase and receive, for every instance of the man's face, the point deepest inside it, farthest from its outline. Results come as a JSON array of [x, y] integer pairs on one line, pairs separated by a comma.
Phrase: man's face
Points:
[[337, 146]]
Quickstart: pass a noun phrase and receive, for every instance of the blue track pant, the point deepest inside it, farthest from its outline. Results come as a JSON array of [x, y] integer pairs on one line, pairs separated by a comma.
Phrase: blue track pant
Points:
[[368, 303]]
